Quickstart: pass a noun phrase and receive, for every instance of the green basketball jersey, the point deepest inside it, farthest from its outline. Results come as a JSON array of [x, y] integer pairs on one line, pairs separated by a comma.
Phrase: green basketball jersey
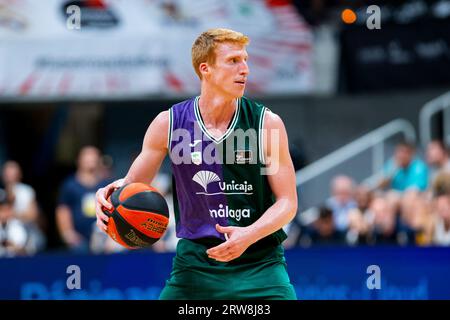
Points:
[[219, 179]]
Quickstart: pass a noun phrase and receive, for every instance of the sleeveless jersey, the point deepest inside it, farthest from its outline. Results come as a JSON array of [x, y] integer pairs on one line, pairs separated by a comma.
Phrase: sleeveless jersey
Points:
[[218, 180]]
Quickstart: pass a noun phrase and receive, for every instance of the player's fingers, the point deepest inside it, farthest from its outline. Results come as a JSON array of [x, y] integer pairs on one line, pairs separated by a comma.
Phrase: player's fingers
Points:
[[223, 253], [117, 184], [114, 186], [224, 258], [101, 198], [109, 189], [221, 229], [218, 255], [99, 212], [224, 247], [229, 258], [103, 217], [101, 225]]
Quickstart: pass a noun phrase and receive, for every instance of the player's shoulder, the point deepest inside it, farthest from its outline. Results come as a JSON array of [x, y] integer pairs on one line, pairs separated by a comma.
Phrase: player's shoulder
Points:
[[253, 111], [182, 110], [160, 123], [269, 118], [252, 104], [255, 106], [183, 105], [272, 121]]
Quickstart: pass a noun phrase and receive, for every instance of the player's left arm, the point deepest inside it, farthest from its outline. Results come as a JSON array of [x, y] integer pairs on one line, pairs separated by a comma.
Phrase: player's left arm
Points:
[[281, 177]]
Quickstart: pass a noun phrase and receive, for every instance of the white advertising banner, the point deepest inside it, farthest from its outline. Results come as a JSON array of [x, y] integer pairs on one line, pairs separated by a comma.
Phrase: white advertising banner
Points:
[[132, 48]]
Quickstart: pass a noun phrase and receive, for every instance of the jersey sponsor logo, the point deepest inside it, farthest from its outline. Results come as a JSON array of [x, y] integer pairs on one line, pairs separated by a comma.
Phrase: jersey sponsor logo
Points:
[[243, 156], [226, 212], [196, 157], [205, 178]]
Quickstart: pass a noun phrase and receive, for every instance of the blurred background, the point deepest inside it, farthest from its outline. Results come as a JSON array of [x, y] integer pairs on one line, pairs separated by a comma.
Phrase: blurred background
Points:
[[364, 94]]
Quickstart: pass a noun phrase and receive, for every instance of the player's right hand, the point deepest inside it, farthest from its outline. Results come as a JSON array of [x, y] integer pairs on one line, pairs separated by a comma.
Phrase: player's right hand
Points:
[[102, 203]]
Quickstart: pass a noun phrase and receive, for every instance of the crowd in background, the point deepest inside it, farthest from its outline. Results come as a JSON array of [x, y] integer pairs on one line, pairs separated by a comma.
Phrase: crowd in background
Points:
[[410, 205], [20, 220], [22, 233]]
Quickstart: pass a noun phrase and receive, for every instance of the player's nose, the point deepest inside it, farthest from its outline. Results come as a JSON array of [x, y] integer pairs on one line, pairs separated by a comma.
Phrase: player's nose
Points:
[[244, 70]]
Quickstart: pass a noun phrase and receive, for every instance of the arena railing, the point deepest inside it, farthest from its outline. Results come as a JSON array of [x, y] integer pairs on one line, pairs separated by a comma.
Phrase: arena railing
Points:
[[373, 140], [430, 109]]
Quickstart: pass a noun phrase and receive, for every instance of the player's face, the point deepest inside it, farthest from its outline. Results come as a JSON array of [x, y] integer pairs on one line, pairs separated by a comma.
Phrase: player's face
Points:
[[229, 73]]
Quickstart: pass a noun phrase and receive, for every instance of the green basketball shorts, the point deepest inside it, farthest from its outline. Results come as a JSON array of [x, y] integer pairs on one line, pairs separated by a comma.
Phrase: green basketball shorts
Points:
[[258, 274]]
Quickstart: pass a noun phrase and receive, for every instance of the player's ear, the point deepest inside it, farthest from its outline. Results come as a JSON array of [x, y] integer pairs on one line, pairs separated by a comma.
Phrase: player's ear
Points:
[[203, 68]]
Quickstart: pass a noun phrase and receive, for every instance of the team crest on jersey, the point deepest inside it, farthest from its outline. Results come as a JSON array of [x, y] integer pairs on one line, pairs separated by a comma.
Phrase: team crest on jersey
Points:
[[196, 157], [243, 156]]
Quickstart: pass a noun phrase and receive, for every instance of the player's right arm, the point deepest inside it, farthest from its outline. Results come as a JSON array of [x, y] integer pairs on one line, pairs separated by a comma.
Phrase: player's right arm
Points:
[[144, 167]]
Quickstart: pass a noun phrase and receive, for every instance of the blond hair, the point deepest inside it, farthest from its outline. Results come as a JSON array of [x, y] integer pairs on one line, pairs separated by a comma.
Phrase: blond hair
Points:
[[203, 49]]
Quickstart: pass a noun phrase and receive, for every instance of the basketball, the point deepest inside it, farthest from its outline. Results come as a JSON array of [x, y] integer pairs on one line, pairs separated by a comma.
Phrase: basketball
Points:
[[139, 217]]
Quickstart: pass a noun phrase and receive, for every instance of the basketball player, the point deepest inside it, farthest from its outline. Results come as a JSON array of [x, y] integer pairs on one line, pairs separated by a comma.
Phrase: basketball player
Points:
[[229, 214]]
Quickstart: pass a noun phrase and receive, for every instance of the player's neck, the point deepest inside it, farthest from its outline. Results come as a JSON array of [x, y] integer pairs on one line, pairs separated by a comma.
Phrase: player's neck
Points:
[[215, 108]]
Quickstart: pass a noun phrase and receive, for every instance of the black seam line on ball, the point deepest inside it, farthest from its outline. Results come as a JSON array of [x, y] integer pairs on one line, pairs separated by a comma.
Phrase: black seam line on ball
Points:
[[145, 238], [162, 209], [140, 209], [115, 197], [120, 226]]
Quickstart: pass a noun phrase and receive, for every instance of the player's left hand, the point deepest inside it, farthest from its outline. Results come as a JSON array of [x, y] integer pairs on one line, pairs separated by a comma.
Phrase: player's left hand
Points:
[[239, 239]]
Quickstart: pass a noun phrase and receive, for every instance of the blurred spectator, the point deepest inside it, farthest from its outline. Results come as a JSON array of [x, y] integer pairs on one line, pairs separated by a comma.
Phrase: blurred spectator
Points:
[[323, 231], [25, 206], [106, 167], [437, 158], [100, 242], [414, 211], [440, 229], [358, 224], [75, 213], [405, 170], [363, 197], [384, 227], [358, 228], [13, 235], [341, 201]]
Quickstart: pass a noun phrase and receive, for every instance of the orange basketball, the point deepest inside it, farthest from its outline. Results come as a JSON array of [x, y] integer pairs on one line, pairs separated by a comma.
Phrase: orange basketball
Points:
[[140, 216]]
